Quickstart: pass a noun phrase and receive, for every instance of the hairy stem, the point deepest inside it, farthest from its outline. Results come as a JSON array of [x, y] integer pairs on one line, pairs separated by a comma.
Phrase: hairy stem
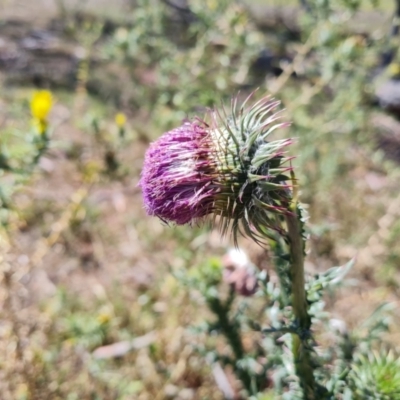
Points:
[[301, 348]]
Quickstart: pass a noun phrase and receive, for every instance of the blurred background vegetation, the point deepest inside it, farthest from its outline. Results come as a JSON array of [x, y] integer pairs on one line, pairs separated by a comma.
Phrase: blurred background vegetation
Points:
[[98, 301]]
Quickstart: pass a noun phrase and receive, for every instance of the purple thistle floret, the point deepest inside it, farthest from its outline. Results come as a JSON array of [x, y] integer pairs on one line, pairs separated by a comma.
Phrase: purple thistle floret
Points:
[[225, 167], [177, 177]]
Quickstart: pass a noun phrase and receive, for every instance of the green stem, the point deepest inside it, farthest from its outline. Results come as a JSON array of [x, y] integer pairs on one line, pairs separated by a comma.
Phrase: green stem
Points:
[[231, 332], [42, 145], [301, 348]]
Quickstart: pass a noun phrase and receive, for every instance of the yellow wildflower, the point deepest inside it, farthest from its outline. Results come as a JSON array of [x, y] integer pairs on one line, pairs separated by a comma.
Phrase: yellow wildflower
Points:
[[41, 104], [120, 120], [104, 318], [394, 69]]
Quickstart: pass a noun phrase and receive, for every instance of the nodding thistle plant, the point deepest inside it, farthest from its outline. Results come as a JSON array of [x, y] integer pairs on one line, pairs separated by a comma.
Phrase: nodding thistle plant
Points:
[[229, 168]]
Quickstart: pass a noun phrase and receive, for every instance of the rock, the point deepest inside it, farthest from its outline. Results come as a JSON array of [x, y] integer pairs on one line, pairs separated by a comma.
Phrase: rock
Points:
[[28, 54], [388, 95], [388, 135]]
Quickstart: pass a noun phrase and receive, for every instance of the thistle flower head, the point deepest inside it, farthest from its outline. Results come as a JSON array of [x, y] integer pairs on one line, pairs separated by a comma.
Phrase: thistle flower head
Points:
[[226, 167], [239, 272]]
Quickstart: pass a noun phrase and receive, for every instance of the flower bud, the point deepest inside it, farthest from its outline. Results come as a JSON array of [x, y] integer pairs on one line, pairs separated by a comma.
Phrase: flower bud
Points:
[[239, 272]]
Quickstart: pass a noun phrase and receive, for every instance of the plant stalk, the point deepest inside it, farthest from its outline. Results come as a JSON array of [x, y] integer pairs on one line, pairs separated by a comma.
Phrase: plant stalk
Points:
[[231, 331], [301, 348]]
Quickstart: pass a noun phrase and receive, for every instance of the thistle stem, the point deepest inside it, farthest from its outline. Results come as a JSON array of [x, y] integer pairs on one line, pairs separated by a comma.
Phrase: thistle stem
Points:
[[301, 349]]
